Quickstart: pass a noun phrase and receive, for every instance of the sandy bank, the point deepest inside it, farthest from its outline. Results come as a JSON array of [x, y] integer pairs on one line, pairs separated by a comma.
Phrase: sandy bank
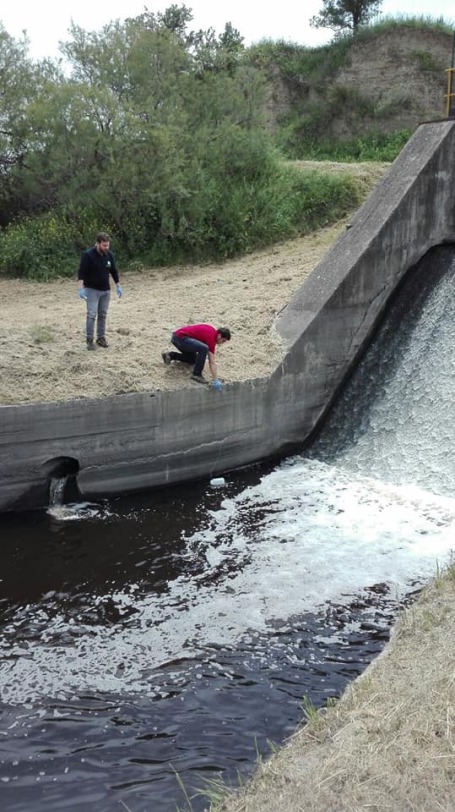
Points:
[[389, 743]]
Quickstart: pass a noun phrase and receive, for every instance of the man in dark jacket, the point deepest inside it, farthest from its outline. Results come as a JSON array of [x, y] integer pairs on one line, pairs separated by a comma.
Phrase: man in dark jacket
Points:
[[97, 265]]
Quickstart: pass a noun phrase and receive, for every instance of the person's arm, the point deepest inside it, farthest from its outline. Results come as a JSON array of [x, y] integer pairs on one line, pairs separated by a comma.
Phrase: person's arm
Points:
[[81, 276], [212, 365], [114, 273], [113, 269], [216, 381], [82, 268]]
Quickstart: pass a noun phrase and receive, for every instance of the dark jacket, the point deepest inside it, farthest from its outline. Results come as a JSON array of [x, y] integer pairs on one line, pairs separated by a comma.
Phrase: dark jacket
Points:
[[95, 269]]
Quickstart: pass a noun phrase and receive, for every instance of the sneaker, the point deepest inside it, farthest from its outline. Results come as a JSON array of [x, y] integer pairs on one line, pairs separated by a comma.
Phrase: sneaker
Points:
[[199, 379], [101, 341], [90, 344], [166, 356]]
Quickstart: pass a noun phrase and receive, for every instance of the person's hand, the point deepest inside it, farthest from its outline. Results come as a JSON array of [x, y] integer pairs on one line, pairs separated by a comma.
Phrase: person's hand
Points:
[[217, 384], [119, 289], [82, 293]]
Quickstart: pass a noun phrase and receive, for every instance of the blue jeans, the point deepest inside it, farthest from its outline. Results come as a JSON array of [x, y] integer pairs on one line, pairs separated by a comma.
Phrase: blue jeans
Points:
[[97, 305], [192, 351]]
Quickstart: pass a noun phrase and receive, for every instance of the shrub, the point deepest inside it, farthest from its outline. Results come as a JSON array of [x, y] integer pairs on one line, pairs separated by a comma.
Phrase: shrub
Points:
[[237, 216], [47, 247], [37, 248]]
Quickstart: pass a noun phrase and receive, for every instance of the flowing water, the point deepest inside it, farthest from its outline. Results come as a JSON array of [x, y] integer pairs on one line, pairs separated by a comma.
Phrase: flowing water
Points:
[[165, 639]]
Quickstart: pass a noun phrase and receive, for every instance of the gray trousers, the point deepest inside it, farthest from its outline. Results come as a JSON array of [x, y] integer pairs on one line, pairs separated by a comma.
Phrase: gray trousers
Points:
[[97, 306]]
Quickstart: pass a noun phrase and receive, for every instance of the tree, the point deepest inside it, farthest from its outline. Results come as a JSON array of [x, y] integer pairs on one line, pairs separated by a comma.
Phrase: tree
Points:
[[340, 15], [148, 116], [14, 80], [21, 86], [156, 133]]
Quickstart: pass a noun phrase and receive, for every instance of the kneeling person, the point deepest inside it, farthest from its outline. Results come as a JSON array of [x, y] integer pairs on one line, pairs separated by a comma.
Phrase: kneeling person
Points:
[[195, 343]]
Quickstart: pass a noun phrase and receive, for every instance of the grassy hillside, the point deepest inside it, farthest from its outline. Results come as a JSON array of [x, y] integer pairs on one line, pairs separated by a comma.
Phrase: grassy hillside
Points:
[[360, 97]]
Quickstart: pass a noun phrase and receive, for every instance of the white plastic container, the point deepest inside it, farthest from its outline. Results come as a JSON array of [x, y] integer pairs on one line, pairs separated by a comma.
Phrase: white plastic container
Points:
[[218, 482]]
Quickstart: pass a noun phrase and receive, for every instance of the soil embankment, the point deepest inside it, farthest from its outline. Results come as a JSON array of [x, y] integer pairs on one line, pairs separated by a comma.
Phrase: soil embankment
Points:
[[389, 743]]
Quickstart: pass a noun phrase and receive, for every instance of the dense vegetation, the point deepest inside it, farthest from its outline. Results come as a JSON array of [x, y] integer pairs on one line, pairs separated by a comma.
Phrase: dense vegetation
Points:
[[155, 133]]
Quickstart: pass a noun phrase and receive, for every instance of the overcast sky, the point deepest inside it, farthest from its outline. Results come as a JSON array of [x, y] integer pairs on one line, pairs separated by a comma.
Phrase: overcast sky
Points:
[[47, 22]]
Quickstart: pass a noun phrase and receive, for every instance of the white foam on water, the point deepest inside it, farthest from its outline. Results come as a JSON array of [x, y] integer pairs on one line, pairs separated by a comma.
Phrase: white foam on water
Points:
[[75, 511], [307, 534]]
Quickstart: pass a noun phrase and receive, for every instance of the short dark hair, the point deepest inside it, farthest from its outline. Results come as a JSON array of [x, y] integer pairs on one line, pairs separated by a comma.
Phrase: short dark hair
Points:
[[224, 332], [102, 236]]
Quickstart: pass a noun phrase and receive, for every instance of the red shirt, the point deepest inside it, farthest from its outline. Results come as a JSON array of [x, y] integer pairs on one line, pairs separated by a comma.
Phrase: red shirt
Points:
[[202, 332]]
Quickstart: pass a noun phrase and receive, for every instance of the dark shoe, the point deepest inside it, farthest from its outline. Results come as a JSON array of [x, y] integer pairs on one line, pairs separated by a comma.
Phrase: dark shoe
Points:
[[101, 341], [199, 379], [166, 356], [90, 344]]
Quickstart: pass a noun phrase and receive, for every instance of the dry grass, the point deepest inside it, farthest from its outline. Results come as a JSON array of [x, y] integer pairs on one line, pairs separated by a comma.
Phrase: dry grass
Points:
[[42, 347], [389, 744]]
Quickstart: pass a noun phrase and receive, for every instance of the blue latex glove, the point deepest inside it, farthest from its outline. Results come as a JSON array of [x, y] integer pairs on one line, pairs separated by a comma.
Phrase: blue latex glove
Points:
[[82, 293], [119, 289], [216, 384]]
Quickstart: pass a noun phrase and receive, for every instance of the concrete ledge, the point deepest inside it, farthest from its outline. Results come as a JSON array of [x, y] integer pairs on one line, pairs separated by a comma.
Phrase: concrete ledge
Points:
[[137, 441]]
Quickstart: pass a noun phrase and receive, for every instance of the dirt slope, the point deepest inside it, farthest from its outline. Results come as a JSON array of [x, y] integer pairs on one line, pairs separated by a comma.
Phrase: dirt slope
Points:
[[393, 80]]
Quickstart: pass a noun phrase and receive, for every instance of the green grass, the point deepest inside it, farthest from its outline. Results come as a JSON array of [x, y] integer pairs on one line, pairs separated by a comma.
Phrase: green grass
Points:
[[422, 21], [380, 147], [316, 64], [41, 334]]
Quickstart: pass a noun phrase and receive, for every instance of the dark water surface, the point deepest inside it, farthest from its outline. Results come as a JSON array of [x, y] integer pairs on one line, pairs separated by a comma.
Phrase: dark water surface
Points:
[[210, 712], [170, 637]]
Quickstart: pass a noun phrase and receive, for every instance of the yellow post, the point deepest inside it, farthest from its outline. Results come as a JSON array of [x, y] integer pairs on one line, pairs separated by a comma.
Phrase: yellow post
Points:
[[450, 106]]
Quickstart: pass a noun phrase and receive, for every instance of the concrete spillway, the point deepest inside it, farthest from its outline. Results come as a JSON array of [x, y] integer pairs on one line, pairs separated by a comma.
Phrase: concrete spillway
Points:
[[137, 441]]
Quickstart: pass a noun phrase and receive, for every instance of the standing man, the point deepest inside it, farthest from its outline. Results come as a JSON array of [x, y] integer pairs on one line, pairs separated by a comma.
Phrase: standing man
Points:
[[195, 342], [97, 265]]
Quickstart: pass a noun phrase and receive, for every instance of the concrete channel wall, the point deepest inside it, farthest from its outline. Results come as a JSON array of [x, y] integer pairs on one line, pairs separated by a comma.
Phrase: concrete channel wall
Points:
[[137, 441]]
